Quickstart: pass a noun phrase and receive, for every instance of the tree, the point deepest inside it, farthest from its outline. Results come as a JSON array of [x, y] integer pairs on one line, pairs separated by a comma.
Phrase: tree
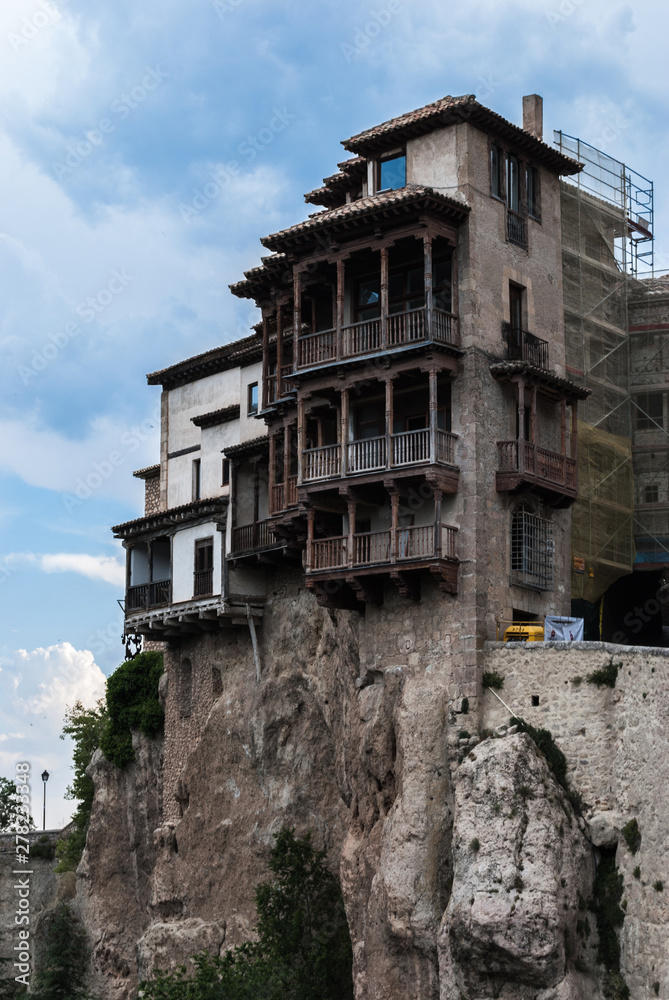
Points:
[[132, 703], [85, 726], [11, 810], [303, 951], [62, 962]]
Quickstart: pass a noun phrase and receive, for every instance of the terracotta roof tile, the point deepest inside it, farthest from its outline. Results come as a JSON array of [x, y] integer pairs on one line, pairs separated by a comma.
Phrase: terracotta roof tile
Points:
[[227, 356]]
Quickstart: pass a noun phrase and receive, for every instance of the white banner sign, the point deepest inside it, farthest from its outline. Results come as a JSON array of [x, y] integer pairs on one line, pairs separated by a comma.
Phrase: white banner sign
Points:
[[563, 629]]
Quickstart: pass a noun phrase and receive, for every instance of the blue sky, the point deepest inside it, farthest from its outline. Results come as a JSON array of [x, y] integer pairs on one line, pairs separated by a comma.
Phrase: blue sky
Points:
[[114, 260]]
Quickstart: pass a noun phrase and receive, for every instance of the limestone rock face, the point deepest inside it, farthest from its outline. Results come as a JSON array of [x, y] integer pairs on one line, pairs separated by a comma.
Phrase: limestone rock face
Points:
[[114, 876], [520, 863]]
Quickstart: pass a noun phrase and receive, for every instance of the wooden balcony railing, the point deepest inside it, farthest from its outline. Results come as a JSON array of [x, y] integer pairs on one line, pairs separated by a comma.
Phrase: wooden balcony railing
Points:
[[283, 497], [148, 595], [258, 535], [526, 459], [203, 583], [370, 455], [321, 463], [367, 454], [375, 548], [524, 346], [361, 338], [367, 337]]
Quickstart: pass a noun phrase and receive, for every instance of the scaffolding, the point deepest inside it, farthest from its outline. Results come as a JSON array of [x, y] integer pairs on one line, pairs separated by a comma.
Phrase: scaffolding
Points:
[[607, 241]]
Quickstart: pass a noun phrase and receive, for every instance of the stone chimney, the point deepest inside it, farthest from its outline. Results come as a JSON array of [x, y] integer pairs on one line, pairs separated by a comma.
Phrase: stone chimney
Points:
[[533, 115]]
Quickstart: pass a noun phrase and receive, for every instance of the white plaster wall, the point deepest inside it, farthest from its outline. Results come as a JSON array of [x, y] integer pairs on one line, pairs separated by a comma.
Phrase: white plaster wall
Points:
[[183, 560], [249, 426]]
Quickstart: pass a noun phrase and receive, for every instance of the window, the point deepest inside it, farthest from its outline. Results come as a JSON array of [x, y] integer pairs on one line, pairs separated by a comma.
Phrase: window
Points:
[[649, 411], [252, 402], [516, 306], [532, 182], [204, 567], [392, 173], [532, 550], [225, 472], [512, 184], [496, 176], [368, 299], [197, 483], [651, 494], [442, 292], [406, 289]]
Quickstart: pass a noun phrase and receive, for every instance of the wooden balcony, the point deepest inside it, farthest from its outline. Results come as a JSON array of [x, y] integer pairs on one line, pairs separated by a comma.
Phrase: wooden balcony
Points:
[[148, 595], [283, 496], [203, 583], [395, 552], [416, 326], [409, 448], [253, 537], [523, 462]]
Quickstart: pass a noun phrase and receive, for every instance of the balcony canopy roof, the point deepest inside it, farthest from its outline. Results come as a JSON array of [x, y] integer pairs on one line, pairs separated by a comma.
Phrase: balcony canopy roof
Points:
[[234, 355], [212, 508], [553, 385]]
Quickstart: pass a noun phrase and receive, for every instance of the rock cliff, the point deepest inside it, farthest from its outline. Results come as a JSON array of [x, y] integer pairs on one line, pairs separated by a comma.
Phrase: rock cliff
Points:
[[465, 870]]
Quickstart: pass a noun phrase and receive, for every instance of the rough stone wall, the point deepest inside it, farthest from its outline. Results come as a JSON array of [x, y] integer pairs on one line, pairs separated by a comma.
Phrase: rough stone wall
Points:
[[615, 741], [152, 494]]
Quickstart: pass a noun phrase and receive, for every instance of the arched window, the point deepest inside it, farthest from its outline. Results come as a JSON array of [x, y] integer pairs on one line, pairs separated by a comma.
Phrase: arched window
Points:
[[532, 550]]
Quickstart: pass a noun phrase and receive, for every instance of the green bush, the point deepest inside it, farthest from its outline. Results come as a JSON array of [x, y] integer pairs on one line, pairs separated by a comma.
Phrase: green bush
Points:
[[132, 703], [43, 848], [608, 892], [491, 679], [85, 726], [606, 676], [303, 950], [632, 835]]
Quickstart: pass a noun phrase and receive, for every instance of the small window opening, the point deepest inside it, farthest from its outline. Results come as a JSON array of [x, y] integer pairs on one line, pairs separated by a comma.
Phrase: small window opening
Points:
[[392, 173], [252, 405], [197, 479], [535, 700], [651, 493], [225, 472]]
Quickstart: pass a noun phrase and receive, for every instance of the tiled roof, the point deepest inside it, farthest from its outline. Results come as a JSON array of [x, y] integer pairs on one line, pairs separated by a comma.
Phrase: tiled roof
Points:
[[175, 515], [333, 191], [505, 369], [449, 111], [388, 201], [215, 417], [240, 352], [148, 473], [272, 264], [247, 447]]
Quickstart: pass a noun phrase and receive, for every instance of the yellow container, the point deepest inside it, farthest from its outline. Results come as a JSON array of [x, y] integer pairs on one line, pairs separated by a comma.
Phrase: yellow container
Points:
[[524, 632]]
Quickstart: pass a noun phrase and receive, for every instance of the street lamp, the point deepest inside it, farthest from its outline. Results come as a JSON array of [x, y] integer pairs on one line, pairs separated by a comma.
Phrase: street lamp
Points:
[[45, 778]]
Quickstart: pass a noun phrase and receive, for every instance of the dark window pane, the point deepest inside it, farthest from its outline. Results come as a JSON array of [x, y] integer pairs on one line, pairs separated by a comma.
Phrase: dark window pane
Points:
[[513, 184], [495, 161], [369, 292], [393, 173]]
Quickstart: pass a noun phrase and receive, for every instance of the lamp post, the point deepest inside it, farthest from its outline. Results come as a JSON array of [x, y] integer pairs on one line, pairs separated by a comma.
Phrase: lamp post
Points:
[[45, 778]]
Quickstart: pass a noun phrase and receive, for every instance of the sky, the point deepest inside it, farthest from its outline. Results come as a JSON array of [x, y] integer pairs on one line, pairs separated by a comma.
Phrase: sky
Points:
[[144, 150]]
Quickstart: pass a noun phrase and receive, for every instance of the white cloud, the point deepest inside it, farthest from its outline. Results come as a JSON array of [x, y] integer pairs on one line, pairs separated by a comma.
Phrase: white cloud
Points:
[[104, 568], [36, 688]]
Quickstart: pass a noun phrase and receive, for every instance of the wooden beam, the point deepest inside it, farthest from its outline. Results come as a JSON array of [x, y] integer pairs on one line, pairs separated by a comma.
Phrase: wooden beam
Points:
[[384, 298], [432, 376], [279, 352], [428, 283], [297, 313]]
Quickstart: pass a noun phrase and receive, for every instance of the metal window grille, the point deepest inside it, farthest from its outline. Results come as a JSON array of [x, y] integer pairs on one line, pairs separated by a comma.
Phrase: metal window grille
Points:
[[532, 551]]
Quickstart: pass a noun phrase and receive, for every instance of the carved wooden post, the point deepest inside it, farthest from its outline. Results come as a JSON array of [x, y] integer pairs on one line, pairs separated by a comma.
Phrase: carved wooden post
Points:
[[264, 400], [429, 304], [433, 416], [389, 421], [384, 298], [344, 431], [286, 464], [301, 432], [351, 533], [311, 515], [394, 521], [279, 352], [341, 278], [272, 477], [297, 315], [437, 523]]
